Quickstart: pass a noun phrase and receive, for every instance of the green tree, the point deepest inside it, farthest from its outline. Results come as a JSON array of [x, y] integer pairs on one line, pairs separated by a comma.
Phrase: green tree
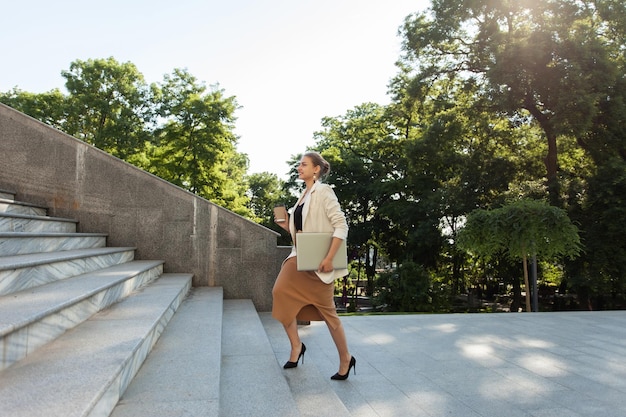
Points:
[[520, 230], [552, 59], [460, 156], [265, 191], [109, 106], [49, 107], [410, 288], [195, 143], [365, 153], [599, 277]]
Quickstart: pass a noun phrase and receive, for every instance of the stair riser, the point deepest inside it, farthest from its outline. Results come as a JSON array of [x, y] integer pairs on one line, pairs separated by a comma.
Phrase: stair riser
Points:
[[110, 398], [24, 278], [17, 345], [7, 195], [13, 224], [22, 245], [20, 209]]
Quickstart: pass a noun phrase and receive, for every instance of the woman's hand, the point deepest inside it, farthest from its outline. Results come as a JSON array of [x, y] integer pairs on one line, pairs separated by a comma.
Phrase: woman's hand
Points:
[[281, 216], [283, 223], [326, 265]]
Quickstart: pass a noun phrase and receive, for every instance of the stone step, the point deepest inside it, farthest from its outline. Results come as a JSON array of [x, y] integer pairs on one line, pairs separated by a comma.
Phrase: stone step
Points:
[[252, 382], [19, 207], [85, 371], [7, 195], [21, 243], [32, 318], [12, 222], [181, 376], [21, 272]]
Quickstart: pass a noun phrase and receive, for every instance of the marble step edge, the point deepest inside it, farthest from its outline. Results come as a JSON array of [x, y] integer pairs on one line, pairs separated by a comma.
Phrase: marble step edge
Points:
[[38, 217], [22, 203], [85, 371], [22, 308], [6, 194], [30, 260], [17, 243], [33, 319], [15, 222], [50, 234], [8, 206], [28, 277]]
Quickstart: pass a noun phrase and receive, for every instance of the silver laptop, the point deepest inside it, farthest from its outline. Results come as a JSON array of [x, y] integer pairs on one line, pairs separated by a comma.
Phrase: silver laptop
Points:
[[311, 248]]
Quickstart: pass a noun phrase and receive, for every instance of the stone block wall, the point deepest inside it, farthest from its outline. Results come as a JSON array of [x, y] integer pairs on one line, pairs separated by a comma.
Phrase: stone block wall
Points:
[[107, 195]]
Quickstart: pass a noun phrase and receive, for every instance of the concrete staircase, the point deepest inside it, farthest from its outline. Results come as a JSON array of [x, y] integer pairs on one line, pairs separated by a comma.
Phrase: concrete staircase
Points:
[[87, 330], [77, 318]]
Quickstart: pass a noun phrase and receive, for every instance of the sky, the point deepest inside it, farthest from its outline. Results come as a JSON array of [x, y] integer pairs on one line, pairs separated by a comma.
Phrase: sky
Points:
[[289, 63]]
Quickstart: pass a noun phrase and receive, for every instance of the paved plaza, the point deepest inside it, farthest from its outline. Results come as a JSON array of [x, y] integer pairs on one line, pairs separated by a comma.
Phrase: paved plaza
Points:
[[566, 364]]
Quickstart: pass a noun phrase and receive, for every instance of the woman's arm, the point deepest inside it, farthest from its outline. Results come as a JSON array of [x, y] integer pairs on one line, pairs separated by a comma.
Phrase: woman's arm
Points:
[[327, 263], [333, 212], [284, 224], [338, 220]]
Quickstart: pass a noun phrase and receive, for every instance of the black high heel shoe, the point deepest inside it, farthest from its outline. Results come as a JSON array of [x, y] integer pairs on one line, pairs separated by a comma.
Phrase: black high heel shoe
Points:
[[290, 364], [340, 377]]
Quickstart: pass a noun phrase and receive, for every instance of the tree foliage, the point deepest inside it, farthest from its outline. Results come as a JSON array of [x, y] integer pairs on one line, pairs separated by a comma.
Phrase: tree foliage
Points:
[[196, 143], [179, 129], [554, 59], [109, 105], [521, 229], [265, 191]]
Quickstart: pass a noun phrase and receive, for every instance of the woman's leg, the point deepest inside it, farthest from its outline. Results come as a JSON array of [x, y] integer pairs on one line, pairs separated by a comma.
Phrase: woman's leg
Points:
[[294, 339], [339, 337]]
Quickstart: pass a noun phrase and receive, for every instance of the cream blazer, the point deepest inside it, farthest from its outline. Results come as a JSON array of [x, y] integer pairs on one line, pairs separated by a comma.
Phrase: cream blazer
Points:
[[321, 213]]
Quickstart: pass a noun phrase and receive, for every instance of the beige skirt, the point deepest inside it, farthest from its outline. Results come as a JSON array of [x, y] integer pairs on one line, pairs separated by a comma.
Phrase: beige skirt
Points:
[[303, 296]]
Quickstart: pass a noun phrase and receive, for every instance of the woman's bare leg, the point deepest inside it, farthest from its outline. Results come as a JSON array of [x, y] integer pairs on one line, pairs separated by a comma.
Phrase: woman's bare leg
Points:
[[339, 337], [294, 339]]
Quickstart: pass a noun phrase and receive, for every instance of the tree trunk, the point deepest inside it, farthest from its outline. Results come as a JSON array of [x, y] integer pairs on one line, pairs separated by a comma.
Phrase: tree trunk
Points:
[[372, 273], [517, 295], [455, 276], [552, 168], [551, 158], [525, 261]]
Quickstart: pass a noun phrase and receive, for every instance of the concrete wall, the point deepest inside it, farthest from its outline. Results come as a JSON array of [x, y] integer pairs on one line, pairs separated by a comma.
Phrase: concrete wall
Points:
[[73, 179]]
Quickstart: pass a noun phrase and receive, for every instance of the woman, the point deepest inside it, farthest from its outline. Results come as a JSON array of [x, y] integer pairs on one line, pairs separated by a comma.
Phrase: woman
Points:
[[302, 295]]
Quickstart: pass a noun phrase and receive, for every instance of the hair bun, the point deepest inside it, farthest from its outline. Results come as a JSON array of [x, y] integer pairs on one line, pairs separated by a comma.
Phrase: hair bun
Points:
[[318, 160]]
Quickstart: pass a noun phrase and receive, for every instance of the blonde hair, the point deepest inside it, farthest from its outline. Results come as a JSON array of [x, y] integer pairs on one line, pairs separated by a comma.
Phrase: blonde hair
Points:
[[318, 160]]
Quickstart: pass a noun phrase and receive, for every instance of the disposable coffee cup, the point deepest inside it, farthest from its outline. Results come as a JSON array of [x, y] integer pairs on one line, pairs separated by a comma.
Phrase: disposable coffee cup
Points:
[[280, 214]]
